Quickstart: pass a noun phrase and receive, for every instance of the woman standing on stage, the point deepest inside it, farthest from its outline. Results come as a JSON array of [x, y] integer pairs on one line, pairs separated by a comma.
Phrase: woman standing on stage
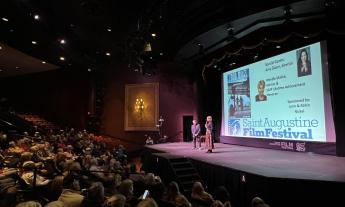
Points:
[[209, 128]]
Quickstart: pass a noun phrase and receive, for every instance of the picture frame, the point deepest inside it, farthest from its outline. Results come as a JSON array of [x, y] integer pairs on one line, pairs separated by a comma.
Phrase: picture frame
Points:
[[141, 107]]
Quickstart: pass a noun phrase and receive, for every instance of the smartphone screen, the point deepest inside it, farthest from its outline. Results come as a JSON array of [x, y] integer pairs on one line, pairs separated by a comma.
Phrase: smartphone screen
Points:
[[145, 194]]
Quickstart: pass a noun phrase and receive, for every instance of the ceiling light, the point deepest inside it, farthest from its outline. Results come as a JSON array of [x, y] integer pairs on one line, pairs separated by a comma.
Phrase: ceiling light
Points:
[[5, 19], [0, 47], [34, 42], [17, 67], [62, 58], [89, 70], [36, 17], [43, 62], [161, 54], [1, 70], [62, 41], [278, 46], [153, 35], [107, 54], [109, 29]]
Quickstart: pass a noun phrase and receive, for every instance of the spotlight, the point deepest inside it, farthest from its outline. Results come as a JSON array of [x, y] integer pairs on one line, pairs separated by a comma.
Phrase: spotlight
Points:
[[62, 58], [63, 41], [107, 54], [153, 35], [36, 17], [109, 29], [34, 42]]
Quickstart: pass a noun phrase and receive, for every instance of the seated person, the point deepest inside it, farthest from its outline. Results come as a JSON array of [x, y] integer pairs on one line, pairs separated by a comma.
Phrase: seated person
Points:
[[70, 195]]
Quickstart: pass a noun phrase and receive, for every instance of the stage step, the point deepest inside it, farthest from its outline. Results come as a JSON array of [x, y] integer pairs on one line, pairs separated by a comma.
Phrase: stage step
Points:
[[185, 173]]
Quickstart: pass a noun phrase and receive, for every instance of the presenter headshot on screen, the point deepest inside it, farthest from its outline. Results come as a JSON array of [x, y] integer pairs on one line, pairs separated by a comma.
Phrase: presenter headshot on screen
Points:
[[303, 62], [261, 89]]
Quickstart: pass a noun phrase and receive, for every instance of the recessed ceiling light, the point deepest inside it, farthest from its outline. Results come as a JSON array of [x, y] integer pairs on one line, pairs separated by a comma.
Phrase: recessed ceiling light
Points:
[[34, 42], [0, 47], [89, 69], [5, 19], [62, 58], [62, 41], [278, 46], [161, 54], [1, 70], [153, 35], [109, 29], [17, 67], [36, 17], [43, 62], [107, 54]]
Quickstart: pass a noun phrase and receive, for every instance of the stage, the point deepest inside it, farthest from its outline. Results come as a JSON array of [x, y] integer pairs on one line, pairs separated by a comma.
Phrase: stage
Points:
[[273, 174]]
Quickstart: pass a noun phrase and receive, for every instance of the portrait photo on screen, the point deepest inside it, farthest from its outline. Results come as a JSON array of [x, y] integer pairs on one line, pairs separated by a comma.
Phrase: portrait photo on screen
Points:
[[261, 90], [303, 62]]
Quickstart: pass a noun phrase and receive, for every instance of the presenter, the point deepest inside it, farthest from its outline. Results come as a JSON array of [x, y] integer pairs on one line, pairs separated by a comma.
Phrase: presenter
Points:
[[195, 128], [209, 138]]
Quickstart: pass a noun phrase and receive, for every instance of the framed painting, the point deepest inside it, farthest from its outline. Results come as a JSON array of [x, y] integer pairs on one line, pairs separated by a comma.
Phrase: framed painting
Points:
[[141, 107]]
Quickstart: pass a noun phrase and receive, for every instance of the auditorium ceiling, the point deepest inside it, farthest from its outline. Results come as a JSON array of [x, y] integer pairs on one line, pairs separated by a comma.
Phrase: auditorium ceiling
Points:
[[91, 34]]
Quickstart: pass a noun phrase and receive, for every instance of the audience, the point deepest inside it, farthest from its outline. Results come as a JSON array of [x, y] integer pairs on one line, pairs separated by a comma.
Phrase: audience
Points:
[[72, 169]]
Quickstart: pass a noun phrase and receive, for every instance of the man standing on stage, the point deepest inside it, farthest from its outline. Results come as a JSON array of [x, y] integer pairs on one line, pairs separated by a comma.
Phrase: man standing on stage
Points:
[[195, 133], [209, 128]]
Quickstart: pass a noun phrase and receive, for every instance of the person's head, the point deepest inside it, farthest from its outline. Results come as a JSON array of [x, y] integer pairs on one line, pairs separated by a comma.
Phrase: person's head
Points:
[[126, 187], [209, 118], [197, 188], [55, 204], [221, 193], [147, 203], [256, 201], [217, 203], [117, 200], [29, 204], [195, 121], [70, 183], [261, 87], [173, 189], [96, 191], [303, 56]]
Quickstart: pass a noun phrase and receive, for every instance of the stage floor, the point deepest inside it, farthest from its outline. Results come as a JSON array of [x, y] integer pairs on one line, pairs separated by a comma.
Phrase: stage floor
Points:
[[264, 162]]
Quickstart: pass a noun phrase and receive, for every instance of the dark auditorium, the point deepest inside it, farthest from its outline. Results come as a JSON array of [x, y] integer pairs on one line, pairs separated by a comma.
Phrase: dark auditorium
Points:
[[172, 103]]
